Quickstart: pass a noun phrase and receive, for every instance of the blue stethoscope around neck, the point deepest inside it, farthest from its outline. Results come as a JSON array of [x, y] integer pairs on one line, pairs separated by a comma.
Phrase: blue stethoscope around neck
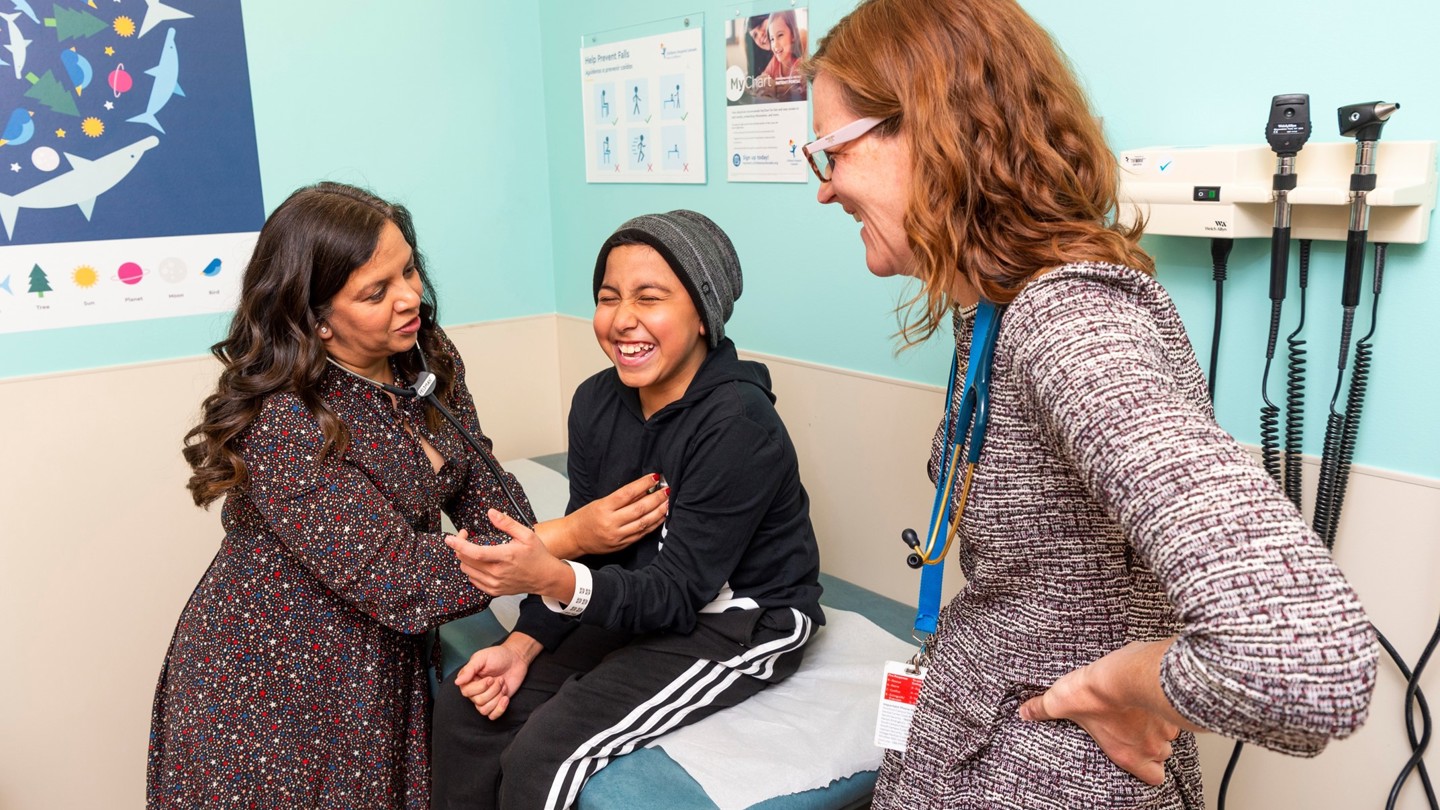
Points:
[[971, 415], [423, 388]]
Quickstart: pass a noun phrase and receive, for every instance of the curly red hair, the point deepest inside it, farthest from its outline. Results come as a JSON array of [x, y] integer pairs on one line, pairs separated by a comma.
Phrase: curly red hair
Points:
[[1012, 173]]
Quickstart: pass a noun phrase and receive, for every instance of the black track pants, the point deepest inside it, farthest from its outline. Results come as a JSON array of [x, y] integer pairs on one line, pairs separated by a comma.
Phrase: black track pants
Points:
[[597, 696]]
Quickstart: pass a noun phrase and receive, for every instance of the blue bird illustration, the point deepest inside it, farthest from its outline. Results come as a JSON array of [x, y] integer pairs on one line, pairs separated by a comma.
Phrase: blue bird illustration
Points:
[[19, 129], [78, 68]]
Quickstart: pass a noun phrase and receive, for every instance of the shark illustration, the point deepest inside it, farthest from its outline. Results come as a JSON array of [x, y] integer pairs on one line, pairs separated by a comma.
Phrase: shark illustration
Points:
[[157, 12], [167, 83], [86, 180], [18, 43], [24, 7]]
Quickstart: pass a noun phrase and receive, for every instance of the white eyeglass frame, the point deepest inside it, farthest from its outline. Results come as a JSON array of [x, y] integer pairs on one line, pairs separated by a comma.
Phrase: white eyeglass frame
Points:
[[843, 135]]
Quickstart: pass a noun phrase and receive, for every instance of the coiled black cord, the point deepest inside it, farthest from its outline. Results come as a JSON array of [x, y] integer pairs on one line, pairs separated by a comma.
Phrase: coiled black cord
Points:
[[1341, 429], [1325, 517], [1355, 398], [1219, 257], [1295, 391]]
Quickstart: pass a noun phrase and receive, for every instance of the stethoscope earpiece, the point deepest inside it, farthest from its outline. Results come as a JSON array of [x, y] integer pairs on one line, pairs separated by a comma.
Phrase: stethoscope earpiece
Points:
[[913, 541]]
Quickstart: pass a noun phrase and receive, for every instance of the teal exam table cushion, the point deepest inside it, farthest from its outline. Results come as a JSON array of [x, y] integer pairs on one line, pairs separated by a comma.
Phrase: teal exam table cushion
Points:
[[649, 777]]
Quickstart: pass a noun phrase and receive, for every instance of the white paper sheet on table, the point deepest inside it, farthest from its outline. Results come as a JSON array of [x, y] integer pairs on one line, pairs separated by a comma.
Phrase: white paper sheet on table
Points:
[[803, 733]]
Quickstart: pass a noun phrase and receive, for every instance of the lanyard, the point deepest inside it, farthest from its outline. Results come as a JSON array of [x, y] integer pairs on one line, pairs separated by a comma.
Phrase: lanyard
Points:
[[973, 413]]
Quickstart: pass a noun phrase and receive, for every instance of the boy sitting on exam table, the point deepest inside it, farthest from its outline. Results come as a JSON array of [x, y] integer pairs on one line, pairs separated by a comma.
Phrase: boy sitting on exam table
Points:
[[713, 603]]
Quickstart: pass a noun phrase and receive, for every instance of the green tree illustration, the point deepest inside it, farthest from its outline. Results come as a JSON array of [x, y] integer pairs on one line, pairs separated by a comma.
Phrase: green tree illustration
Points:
[[39, 282], [49, 91], [72, 23]]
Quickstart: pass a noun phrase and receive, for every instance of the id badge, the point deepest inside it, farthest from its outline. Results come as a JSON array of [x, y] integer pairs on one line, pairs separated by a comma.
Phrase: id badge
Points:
[[898, 695]]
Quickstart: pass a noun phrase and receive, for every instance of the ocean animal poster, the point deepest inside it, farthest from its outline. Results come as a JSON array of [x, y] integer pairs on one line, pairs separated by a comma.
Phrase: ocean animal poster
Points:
[[644, 104], [129, 179]]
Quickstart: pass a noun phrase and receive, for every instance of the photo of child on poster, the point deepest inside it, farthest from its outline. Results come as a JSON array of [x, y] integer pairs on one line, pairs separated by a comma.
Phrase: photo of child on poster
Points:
[[766, 113], [763, 53]]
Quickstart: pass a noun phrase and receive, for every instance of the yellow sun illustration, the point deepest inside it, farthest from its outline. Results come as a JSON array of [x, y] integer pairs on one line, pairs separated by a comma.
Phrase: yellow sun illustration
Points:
[[92, 126], [124, 26], [85, 276]]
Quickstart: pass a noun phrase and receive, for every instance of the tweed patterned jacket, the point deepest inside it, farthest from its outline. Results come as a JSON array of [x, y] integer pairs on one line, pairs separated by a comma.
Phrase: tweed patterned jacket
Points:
[[1109, 507]]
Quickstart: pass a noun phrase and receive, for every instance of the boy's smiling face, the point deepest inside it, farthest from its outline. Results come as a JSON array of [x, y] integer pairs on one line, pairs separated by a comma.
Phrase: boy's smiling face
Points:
[[647, 325]]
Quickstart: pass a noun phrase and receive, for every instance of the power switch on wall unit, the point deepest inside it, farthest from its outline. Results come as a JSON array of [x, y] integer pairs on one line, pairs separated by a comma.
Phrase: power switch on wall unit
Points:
[[1207, 194]]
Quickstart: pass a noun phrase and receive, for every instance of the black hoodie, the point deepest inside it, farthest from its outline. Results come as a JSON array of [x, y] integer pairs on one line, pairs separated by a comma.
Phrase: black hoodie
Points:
[[738, 534]]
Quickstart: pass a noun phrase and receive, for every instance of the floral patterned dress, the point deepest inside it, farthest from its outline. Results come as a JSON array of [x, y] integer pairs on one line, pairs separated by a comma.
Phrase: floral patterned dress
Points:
[[297, 673]]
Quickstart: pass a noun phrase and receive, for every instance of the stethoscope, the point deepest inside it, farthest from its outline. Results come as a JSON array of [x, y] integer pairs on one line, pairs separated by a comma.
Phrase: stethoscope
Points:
[[424, 389], [971, 414]]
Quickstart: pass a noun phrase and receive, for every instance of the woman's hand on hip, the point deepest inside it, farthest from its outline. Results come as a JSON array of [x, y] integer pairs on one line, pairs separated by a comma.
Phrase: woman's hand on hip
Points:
[[1119, 702]]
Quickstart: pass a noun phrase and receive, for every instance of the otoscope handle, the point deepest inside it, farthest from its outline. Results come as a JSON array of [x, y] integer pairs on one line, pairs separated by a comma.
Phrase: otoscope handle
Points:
[[1354, 267], [1279, 262]]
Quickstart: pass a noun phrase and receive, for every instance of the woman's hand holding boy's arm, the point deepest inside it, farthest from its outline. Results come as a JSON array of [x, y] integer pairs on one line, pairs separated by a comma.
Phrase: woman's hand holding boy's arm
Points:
[[523, 565], [610, 523]]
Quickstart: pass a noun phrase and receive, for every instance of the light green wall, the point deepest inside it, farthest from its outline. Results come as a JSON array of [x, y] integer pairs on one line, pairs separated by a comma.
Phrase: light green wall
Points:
[[433, 104], [1188, 77], [470, 113], [1166, 73]]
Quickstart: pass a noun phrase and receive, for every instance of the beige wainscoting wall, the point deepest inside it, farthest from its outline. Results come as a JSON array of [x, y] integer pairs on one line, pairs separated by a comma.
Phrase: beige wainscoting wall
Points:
[[100, 546]]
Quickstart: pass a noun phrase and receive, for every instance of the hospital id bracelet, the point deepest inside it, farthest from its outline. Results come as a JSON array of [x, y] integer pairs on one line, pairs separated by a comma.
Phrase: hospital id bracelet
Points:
[[583, 589]]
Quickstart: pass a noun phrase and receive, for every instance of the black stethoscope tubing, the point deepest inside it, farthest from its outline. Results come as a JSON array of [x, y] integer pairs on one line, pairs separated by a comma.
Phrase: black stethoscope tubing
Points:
[[424, 389]]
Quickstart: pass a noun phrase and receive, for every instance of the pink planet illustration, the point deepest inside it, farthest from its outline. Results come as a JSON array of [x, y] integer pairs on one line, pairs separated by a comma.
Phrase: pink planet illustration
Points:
[[130, 273], [120, 81]]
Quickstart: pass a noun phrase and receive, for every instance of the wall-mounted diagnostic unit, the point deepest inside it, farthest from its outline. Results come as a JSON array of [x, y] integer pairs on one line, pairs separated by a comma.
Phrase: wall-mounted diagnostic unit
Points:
[[1226, 191], [1358, 192]]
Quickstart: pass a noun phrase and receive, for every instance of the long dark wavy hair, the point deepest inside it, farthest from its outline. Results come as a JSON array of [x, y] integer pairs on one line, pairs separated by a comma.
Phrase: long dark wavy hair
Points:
[[306, 251], [1012, 175]]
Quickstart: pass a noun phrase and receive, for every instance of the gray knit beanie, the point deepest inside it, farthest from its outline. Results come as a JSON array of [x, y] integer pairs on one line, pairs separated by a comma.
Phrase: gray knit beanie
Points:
[[699, 253]]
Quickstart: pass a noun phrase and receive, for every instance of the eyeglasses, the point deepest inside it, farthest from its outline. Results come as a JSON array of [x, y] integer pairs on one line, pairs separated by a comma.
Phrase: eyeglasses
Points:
[[815, 150]]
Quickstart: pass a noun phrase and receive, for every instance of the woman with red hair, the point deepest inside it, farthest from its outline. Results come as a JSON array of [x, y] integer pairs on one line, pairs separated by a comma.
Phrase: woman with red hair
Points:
[[1132, 575]]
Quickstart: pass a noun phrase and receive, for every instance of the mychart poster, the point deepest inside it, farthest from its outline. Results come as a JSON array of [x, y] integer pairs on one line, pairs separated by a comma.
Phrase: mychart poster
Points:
[[765, 95], [129, 180], [644, 105]]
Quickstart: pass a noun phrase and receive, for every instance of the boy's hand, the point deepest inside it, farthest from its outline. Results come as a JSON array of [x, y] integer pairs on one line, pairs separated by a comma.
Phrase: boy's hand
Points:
[[615, 521], [494, 674]]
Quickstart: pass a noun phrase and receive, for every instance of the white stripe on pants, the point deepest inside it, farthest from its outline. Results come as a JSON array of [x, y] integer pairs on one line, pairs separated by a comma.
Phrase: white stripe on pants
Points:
[[697, 687]]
